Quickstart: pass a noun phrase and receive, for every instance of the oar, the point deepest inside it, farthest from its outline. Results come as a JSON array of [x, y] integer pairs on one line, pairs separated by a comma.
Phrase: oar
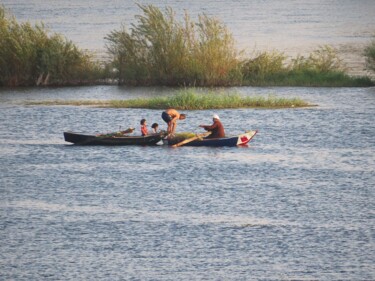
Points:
[[198, 136], [127, 131]]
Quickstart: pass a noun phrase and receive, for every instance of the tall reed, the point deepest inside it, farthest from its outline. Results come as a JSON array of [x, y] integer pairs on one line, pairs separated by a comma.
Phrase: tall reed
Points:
[[263, 65], [323, 67], [370, 55], [161, 50], [29, 55], [164, 51]]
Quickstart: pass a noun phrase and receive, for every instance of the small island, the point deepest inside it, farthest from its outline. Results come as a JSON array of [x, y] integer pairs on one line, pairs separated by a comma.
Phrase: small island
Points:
[[189, 100]]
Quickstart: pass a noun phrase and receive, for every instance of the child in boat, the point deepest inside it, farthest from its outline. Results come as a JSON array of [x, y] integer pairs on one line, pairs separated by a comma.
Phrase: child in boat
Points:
[[155, 128], [144, 130]]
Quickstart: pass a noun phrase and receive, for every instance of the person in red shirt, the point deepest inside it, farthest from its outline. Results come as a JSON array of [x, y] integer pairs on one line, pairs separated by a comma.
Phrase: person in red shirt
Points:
[[144, 130], [216, 129]]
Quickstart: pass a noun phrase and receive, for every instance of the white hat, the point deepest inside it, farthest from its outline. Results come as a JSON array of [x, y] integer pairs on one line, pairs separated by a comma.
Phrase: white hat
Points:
[[215, 116]]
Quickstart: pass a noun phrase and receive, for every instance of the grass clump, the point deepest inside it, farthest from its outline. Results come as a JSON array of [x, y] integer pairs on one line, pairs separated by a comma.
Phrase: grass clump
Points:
[[160, 50], [30, 56], [322, 67], [370, 55], [190, 100]]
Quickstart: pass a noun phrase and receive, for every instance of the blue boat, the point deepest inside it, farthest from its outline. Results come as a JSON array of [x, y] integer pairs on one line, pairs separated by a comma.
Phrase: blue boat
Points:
[[239, 140]]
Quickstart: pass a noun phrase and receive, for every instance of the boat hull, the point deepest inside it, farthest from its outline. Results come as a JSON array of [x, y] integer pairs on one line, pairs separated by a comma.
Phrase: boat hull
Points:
[[239, 140], [83, 139]]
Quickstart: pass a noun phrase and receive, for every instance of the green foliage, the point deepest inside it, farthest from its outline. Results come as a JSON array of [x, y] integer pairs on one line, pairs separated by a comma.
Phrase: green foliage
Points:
[[370, 56], [322, 67], [160, 50], [163, 51], [190, 100], [311, 78], [30, 56], [263, 65], [323, 60]]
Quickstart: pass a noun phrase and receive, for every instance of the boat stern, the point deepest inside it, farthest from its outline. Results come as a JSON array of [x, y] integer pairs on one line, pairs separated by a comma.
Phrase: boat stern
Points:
[[246, 137]]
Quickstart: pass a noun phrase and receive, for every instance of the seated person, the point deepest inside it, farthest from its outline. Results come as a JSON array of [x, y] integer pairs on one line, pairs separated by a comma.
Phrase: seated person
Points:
[[144, 130], [155, 128], [216, 129]]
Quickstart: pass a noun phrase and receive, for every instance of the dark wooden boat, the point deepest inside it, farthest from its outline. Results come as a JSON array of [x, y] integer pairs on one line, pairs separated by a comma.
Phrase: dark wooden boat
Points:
[[239, 140], [83, 139]]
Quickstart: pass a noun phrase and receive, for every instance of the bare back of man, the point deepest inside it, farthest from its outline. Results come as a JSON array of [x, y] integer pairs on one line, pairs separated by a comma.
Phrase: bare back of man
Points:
[[170, 116]]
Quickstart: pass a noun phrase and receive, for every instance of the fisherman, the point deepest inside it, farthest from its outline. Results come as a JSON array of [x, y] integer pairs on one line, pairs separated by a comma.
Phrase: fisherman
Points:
[[170, 116], [216, 129]]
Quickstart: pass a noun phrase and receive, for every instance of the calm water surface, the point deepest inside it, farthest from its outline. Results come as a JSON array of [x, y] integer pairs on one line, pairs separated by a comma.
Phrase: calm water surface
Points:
[[298, 203]]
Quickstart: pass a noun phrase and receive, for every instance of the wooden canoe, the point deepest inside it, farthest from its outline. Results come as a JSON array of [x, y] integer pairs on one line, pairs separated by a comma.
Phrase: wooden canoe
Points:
[[84, 139], [239, 140]]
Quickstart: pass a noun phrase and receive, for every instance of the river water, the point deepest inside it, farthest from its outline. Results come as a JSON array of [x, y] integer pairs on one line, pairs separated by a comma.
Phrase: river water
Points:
[[292, 27], [297, 203]]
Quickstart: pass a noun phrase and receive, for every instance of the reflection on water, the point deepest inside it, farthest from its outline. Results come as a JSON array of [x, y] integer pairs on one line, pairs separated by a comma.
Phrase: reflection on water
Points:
[[297, 203]]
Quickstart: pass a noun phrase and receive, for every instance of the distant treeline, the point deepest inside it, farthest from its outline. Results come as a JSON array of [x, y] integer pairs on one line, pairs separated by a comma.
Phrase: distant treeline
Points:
[[161, 50]]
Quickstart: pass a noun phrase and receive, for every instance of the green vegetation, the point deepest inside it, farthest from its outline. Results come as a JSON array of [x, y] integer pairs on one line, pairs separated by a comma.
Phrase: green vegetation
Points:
[[370, 56], [323, 67], [190, 100], [30, 56], [160, 50]]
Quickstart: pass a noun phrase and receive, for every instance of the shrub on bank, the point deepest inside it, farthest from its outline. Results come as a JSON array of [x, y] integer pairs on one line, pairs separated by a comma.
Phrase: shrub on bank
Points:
[[30, 56], [160, 50], [323, 67], [370, 56]]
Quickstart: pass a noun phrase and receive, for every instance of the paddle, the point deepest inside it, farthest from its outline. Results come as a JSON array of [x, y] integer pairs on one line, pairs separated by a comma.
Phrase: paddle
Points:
[[127, 131], [116, 134], [197, 136]]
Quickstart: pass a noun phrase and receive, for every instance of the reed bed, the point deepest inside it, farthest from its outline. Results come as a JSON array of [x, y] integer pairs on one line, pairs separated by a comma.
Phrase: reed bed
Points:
[[30, 55], [323, 67], [161, 50], [191, 100], [370, 55]]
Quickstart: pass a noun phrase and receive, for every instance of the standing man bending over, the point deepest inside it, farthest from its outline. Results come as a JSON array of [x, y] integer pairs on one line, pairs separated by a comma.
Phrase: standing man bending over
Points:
[[170, 116]]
